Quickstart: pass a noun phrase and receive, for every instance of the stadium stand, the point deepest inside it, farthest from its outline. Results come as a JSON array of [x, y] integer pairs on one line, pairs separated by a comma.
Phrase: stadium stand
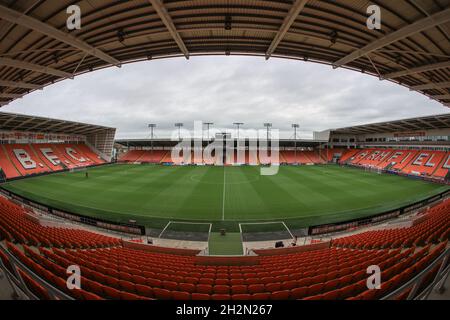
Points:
[[143, 156], [425, 163], [443, 169], [131, 156], [27, 159], [89, 153], [301, 157], [111, 271], [411, 162], [24, 159], [433, 228], [6, 165], [16, 223], [330, 154]]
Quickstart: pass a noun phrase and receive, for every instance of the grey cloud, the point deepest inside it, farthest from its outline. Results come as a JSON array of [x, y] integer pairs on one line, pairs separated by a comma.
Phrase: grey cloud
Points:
[[224, 90]]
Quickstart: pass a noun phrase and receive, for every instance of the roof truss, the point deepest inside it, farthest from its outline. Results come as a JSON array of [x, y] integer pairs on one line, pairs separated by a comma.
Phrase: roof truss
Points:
[[167, 20], [33, 67], [44, 28], [428, 86], [429, 67], [292, 15], [19, 84], [11, 95], [418, 26]]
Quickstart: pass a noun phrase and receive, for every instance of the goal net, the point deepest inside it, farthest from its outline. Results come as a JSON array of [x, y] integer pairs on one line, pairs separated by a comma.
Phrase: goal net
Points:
[[80, 169]]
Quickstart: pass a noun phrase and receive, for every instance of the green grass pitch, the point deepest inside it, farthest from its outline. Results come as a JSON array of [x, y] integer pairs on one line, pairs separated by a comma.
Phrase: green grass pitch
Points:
[[153, 195]]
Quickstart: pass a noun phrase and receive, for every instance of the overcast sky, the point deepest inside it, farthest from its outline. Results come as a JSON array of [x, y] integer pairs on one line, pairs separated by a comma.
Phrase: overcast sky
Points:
[[224, 90]]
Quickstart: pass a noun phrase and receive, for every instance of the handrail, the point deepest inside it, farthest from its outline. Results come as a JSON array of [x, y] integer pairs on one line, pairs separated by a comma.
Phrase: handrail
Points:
[[16, 279], [415, 283]]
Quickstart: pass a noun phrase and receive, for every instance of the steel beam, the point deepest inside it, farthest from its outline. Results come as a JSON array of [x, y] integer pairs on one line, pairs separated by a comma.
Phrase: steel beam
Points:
[[33, 67], [438, 18], [167, 20], [425, 68], [50, 31], [293, 13]]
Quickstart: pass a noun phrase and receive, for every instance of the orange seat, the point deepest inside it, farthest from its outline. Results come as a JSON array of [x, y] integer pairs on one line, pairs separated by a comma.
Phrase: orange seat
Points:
[[170, 285], [162, 294], [187, 287], [261, 296], [331, 295], [180, 295], [200, 296], [280, 295], [128, 296], [143, 290], [221, 297], [299, 293], [256, 288], [127, 286], [112, 293], [289, 285], [315, 289], [272, 287], [221, 289], [204, 288], [241, 296], [238, 289]]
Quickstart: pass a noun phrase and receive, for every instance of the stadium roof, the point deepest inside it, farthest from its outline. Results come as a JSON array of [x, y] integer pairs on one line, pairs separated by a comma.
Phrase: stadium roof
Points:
[[139, 143], [412, 47], [413, 124], [20, 122]]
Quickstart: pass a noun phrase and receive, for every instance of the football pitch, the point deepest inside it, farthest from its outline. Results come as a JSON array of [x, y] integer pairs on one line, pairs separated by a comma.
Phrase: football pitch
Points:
[[153, 195]]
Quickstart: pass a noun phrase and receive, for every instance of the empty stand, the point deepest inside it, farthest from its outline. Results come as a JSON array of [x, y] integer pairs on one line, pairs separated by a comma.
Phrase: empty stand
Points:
[[435, 164], [25, 159], [6, 164], [425, 163], [432, 229], [111, 271], [18, 160], [144, 156], [348, 155], [15, 225]]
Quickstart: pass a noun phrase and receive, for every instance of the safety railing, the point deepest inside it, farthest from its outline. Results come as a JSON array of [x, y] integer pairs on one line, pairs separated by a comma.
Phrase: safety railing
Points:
[[416, 283], [17, 283]]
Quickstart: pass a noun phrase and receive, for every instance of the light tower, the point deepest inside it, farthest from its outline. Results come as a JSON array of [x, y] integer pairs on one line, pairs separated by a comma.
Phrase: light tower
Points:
[[295, 126], [208, 124], [152, 127], [179, 125], [238, 125], [268, 126]]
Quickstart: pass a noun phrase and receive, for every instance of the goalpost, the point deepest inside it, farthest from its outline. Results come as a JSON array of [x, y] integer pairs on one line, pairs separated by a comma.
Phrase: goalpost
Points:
[[188, 227], [269, 226], [78, 169]]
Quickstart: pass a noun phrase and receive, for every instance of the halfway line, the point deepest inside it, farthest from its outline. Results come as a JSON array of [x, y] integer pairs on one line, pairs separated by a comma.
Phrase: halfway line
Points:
[[223, 195]]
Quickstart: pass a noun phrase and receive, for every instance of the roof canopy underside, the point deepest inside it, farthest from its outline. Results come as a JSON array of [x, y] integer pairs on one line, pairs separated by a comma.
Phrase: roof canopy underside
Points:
[[412, 48], [24, 123], [437, 122]]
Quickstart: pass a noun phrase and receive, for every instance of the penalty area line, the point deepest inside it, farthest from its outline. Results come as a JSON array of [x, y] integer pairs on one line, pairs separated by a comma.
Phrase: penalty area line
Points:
[[167, 225]]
